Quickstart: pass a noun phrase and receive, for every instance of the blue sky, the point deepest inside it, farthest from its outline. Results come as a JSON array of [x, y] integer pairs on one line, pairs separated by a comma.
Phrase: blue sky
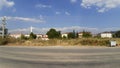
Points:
[[64, 15]]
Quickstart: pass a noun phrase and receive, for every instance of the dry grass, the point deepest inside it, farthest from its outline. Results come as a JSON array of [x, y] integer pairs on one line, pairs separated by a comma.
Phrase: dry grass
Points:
[[65, 42]]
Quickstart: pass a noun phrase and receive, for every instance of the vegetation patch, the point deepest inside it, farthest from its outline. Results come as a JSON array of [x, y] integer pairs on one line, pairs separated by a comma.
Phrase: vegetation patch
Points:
[[95, 42], [3, 41]]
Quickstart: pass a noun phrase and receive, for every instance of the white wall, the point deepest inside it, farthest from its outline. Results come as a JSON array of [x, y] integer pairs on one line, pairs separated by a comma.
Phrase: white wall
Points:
[[64, 35], [106, 35]]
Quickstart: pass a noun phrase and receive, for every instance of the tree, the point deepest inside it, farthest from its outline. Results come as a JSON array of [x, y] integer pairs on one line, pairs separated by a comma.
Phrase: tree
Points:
[[73, 35], [117, 34], [32, 36], [77, 35], [86, 34], [52, 33]]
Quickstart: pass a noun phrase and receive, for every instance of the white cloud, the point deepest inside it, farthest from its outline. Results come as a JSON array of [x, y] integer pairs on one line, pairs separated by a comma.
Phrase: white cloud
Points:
[[101, 5], [73, 1], [24, 30], [67, 13], [57, 13], [33, 20], [6, 3], [62, 29], [43, 6], [76, 28]]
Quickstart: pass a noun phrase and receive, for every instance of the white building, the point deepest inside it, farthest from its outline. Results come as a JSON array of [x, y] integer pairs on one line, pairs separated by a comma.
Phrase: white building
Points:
[[19, 35], [106, 35], [39, 36], [80, 34], [27, 35], [15, 35], [65, 35], [44, 37]]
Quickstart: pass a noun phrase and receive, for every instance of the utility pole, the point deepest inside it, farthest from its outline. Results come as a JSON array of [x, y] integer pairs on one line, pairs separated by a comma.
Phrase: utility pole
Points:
[[3, 26]]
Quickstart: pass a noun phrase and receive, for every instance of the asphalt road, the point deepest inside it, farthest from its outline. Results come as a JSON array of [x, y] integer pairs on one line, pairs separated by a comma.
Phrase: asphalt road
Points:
[[59, 57]]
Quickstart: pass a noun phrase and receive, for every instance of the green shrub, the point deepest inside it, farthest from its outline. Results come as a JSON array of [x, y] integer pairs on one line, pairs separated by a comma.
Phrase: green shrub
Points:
[[95, 42], [8, 40]]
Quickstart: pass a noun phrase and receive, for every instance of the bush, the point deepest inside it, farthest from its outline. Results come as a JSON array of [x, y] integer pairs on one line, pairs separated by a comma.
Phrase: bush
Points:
[[23, 37], [3, 41], [10, 40], [32, 36], [86, 34], [95, 42]]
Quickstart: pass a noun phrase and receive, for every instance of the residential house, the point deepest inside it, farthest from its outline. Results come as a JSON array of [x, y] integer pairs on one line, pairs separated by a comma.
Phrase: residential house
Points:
[[39, 36], [65, 35], [15, 35], [106, 35], [42, 37], [45, 37], [80, 34]]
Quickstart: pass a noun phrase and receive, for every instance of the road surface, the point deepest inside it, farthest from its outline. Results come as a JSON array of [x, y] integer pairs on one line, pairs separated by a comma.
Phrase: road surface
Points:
[[59, 57]]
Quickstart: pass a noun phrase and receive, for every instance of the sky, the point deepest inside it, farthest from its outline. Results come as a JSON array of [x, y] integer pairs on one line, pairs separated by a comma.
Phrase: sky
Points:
[[64, 15]]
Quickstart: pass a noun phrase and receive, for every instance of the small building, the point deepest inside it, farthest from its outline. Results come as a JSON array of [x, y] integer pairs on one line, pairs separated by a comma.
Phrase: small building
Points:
[[15, 35], [39, 36], [106, 35], [80, 34], [65, 35], [44, 37], [27, 35]]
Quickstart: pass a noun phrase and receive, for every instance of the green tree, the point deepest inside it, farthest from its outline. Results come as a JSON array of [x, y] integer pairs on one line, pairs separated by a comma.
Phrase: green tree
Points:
[[32, 36], [73, 35], [77, 35], [86, 34], [52, 33], [117, 34]]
